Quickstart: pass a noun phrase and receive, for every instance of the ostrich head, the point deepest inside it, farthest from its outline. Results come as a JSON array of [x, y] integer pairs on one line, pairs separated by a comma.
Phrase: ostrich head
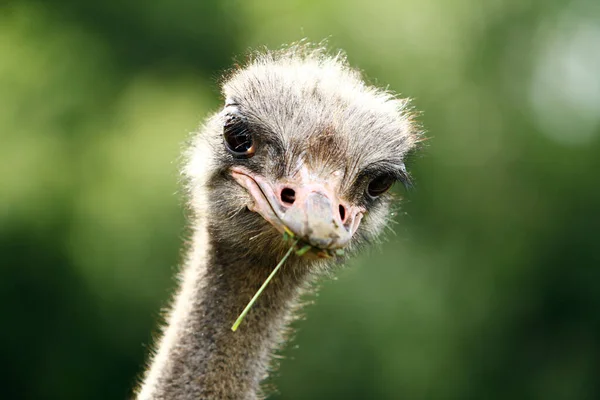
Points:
[[303, 146]]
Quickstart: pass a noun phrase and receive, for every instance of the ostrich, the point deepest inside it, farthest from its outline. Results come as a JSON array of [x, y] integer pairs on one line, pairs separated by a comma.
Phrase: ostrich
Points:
[[303, 146]]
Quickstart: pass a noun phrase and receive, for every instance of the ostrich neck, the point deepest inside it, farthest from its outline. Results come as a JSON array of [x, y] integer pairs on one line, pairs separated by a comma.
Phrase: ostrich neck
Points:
[[199, 357]]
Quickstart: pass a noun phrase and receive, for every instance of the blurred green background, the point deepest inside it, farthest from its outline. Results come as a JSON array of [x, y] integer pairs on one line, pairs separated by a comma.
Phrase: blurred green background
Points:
[[490, 288]]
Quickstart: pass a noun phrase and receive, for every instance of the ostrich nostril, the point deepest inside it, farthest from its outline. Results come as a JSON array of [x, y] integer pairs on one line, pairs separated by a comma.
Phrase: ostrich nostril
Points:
[[288, 196], [342, 213]]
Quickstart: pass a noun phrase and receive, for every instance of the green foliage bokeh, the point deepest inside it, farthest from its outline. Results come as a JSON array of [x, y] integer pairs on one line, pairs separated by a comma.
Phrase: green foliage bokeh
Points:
[[490, 287]]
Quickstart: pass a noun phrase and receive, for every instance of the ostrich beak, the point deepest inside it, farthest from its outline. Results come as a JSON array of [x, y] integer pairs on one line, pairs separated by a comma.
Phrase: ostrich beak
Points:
[[309, 208]]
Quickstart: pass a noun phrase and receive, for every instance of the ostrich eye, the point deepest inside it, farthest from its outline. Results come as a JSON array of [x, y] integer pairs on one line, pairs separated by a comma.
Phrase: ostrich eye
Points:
[[380, 185], [238, 138]]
